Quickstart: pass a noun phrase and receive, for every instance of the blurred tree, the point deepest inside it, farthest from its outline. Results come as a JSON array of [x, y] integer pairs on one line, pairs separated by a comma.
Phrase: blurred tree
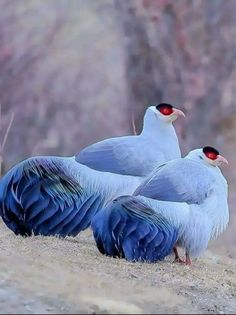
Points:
[[62, 73], [142, 86], [182, 52]]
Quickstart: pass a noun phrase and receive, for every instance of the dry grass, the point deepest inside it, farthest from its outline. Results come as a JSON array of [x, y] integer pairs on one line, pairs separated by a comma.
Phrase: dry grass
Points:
[[49, 275]]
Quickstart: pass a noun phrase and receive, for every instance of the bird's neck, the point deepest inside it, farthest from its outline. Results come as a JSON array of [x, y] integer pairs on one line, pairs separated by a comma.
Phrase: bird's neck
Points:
[[161, 134], [154, 127]]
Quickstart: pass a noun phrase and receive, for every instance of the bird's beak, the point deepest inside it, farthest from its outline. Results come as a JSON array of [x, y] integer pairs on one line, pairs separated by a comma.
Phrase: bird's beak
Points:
[[220, 159], [178, 112]]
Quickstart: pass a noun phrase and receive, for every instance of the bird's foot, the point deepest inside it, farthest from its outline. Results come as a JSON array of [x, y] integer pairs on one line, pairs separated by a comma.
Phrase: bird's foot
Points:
[[188, 261], [183, 262], [179, 260]]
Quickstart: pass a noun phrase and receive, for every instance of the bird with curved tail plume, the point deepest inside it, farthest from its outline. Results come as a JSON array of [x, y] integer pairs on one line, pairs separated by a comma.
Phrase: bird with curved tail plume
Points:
[[59, 195], [182, 203]]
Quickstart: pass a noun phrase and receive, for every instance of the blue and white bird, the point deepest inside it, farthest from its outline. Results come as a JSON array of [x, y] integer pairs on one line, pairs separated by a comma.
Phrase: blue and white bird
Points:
[[60, 195], [137, 155], [183, 203]]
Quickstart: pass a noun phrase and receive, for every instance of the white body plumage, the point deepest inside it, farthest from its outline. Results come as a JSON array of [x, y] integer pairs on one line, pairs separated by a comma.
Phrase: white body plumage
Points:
[[109, 185], [197, 221]]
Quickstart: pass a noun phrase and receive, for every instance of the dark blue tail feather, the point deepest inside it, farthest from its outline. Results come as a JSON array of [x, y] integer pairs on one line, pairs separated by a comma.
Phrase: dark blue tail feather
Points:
[[128, 228], [38, 197]]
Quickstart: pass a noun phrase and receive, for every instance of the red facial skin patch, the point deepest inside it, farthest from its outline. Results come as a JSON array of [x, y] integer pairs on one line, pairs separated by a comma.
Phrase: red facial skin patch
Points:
[[166, 111], [211, 155]]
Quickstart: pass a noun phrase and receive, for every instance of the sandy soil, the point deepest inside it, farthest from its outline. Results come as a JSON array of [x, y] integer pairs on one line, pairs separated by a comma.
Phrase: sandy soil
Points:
[[49, 275]]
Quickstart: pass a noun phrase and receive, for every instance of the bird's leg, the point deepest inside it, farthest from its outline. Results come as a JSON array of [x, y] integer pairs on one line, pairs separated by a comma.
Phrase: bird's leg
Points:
[[188, 260], [177, 258]]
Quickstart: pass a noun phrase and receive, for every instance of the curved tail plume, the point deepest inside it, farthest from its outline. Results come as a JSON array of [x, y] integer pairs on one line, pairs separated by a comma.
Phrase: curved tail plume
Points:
[[37, 197], [128, 228]]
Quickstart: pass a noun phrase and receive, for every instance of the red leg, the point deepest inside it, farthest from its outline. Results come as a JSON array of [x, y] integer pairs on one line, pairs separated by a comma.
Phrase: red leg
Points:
[[188, 260], [177, 258]]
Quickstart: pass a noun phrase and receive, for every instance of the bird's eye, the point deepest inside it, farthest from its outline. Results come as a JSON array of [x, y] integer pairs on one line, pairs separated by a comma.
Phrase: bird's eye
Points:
[[200, 157], [210, 153], [165, 109]]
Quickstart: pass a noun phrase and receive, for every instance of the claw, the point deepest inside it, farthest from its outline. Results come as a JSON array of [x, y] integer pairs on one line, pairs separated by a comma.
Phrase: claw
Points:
[[179, 260], [187, 262]]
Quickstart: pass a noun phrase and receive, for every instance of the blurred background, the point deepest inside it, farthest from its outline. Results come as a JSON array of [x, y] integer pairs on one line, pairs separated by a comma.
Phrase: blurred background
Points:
[[75, 72]]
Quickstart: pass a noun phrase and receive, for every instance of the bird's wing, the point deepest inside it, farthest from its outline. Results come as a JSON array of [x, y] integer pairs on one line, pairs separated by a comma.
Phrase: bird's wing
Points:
[[121, 155], [180, 180]]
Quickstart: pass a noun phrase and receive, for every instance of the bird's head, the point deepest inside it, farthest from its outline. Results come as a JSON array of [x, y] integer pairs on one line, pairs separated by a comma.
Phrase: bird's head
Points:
[[208, 155], [166, 112]]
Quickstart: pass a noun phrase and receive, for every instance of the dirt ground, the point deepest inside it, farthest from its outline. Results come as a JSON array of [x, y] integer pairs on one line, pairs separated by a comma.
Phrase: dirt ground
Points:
[[50, 275]]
